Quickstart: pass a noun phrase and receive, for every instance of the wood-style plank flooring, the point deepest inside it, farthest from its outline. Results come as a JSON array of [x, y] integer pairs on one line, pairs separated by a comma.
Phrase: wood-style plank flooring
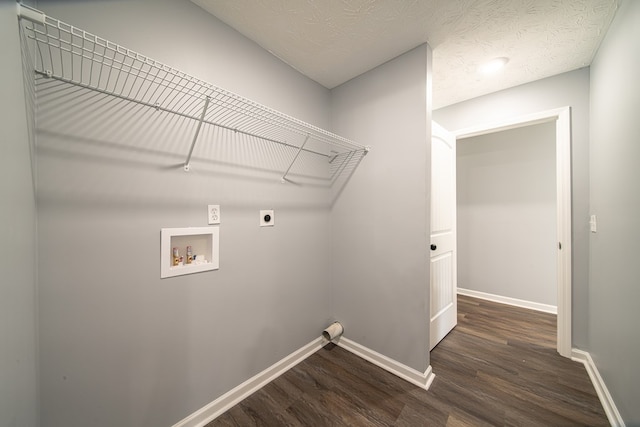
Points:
[[498, 367]]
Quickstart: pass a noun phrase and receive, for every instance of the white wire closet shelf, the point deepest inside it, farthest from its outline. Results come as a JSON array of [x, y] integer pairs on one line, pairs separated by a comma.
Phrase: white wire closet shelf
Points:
[[71, 55]]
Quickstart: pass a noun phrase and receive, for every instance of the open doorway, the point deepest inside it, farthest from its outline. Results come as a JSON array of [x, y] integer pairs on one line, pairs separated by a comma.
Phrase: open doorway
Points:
[[506, 216], [561, 117]]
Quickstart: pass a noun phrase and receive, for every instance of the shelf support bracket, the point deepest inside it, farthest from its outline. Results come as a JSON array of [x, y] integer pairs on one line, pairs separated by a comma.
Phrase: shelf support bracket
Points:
[[31, 14], [284, 176], [187, 164]]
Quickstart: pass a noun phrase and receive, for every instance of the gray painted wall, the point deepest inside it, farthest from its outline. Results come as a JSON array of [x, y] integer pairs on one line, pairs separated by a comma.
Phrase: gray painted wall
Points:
[[506, 191], [568, 89], [615, 199], [379, 224], [119, 346], [18, 354]]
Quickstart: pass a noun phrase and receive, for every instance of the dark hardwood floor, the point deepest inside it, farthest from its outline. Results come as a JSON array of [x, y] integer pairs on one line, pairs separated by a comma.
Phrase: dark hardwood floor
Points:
[[498, 367]]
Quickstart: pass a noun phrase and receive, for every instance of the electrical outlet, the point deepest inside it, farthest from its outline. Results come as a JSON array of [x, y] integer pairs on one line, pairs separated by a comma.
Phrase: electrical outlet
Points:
[[267, 218], [214, 214]]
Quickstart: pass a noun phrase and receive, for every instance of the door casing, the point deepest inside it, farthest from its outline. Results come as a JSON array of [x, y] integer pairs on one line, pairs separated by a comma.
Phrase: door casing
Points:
[[562, 117]]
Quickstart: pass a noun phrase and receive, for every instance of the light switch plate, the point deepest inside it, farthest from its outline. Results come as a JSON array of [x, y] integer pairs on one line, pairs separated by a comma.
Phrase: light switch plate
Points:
[[267, 218], [213, 214], [593, 224]]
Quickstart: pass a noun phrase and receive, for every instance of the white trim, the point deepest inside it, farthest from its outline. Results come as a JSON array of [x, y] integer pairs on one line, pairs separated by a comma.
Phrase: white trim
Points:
[[601, 388], [563, 204], [422, 380], [211, 411], [216, 408], [509, 123], [510, 301]]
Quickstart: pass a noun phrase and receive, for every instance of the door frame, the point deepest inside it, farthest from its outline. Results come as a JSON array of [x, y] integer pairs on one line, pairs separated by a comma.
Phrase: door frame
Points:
[[562, 117]]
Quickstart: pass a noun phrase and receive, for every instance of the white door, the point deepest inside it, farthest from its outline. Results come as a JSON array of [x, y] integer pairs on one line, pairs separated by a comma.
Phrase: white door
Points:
[[444, 308]]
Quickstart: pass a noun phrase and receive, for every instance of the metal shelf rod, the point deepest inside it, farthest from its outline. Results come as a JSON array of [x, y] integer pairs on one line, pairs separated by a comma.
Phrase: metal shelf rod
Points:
[[284, 176], [187, 164]]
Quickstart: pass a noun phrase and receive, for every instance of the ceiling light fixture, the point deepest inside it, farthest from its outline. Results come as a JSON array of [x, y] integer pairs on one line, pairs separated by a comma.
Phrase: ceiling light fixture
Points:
[[493, 66]]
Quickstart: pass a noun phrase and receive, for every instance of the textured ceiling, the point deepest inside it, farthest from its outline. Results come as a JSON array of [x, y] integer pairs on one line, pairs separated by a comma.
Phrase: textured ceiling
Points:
[[332, 41]]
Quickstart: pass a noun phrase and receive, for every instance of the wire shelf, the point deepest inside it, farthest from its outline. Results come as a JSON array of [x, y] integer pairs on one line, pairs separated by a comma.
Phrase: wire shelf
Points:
[[62, 52]]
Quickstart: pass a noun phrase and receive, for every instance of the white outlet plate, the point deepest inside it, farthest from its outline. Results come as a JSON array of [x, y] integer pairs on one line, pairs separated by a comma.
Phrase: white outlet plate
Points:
[[213, 213], [267, 219]]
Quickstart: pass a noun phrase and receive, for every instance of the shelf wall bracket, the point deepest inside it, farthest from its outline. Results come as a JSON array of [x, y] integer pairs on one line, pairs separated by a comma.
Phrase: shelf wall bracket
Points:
[[187, 164], [31, 14], [284, 176]]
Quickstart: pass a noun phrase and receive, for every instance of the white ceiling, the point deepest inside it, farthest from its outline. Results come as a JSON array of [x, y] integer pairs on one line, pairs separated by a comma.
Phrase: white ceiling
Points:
[[332, 41]]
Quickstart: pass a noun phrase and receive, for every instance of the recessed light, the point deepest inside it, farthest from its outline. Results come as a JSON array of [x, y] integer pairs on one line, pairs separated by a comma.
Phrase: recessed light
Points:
[[493, 66]]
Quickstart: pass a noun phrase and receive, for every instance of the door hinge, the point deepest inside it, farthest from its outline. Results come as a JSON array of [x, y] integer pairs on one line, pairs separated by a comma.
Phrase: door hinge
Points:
[[560, 245]]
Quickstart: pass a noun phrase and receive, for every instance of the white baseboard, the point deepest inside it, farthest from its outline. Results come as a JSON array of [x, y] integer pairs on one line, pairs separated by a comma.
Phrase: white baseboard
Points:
[[511, 301], [422, 380], [598, 383], [214, 409], [225, 402]]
